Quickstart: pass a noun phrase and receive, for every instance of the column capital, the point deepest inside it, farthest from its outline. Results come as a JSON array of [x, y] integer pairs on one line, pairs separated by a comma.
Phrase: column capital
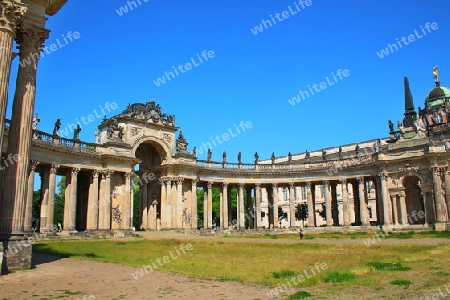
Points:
[[31, 39], [342, 180], [128, 175], [326, 183], [74, 171], [437, 170], [360, 179], [241, 185], [107, 173], [95, 173], [225, 185], [210, 184], [10, 14], [383, 175], [179, 180], [194, 182], [308, 184], [258, 185], [54, 168], [274, 185], [291, 185], [33, 165]]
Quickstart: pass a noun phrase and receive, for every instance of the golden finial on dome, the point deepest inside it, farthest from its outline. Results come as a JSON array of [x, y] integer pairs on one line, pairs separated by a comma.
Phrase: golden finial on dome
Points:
[[436, 74]]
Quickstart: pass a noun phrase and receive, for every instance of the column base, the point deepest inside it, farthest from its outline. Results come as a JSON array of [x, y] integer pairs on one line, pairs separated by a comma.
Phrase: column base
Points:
[[441, 226], [16, 254], [387, 227]]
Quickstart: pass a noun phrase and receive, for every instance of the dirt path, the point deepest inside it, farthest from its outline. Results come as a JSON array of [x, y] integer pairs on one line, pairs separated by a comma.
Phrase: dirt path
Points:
[[69, 278], [52, 278]]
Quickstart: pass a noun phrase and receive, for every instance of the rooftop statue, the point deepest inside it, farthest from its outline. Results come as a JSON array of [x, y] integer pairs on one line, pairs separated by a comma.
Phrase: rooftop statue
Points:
[[181, 143]]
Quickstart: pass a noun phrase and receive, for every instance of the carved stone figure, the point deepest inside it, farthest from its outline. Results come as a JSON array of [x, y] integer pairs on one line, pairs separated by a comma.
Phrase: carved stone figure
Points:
[[76, 133], [400, 127], [273, 157], [307, 156], [289, 157], [391, 126], [36, 120], [256, 157], [209, 155], [181, 143], [340, 153], [194, 151], [57, 127], [224, 157], [240, 157], [324, 154], [357, 148]]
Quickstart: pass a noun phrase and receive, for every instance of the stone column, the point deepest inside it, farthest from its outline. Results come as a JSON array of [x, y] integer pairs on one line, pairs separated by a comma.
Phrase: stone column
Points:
[[44, 199], [145, 206], [345, 203], [67, 191], [311, 210], [258, 224], [447, 189], [51, 196], [29, 40], [174, 205], [210, 199], [163, 217], [427, 198], [394, 209], [240, 206], [194, 218], [364, 212], [249, 204], [291, 205], [274, 205], [73, 199], [224, 207], [205, 206], [10, 14], [404, 214], [104, 211], [179, 214], [168, 213], [439, 200], [328, 211], [92, 213], [27, 227], [334, 205], [128, 201], [385, 199]]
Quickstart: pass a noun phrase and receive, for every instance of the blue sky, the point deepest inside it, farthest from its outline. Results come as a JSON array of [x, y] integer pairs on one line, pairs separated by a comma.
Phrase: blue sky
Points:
[[251, 77]]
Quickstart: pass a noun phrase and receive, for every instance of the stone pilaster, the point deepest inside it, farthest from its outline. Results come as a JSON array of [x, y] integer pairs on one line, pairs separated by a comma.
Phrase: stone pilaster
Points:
[[403, 212], [163, 208], [27, 226], [240, 207], [72, 210], [447, 189], [10, 14], [104, 210], [258, 223], [328, 211], [224, 207], [29, 40], [364, 211], [168, 213], [93, 205], [385, 199], [179, 206], [44, 199], [394, 209], [174, 203], [51, 196], [345, 203], [194, 209], [128, 201], [310, 202], [438, 197], [291, 205]]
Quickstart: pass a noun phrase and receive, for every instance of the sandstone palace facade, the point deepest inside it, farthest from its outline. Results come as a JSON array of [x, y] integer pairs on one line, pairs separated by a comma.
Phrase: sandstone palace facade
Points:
[[399, 181]]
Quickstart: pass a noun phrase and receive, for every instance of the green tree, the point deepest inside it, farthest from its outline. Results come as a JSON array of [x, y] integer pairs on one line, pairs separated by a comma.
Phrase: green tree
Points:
[[301, 212], [323, 212]]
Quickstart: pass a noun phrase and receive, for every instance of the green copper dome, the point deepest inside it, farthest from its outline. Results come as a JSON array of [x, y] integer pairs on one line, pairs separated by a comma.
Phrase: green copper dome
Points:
[[437, 96]]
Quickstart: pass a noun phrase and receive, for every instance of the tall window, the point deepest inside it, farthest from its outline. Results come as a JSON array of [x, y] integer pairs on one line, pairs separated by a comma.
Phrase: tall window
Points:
[[303, 192], [322, 191], [285, 194]]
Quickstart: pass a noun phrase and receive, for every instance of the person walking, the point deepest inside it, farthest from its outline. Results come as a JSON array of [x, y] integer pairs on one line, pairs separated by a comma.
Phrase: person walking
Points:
[[301, 234]]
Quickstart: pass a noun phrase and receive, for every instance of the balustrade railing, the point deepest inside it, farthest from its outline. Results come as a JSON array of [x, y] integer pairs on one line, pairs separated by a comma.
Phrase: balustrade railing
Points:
[[57, 141], [335, 164]]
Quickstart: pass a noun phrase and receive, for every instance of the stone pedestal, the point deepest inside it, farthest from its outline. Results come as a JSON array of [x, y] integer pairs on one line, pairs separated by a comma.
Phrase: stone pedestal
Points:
[[440, 226], [18, 254]]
